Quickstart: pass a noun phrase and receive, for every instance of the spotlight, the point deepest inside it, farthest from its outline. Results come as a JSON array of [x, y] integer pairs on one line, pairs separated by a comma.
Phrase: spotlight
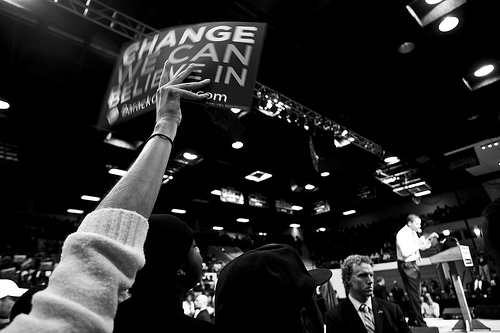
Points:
[[391, 159], [483, 75]]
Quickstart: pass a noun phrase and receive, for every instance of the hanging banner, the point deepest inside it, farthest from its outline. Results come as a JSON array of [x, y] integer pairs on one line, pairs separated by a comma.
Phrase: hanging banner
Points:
[[227, 53], [463, 159]]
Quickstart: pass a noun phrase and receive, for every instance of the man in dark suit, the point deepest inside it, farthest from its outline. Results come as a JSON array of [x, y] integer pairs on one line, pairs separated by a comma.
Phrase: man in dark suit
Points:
[[380, 290], [201, 304], [360, 312]]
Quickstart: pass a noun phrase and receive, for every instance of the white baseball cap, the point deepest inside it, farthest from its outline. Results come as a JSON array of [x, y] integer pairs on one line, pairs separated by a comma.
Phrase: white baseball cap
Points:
[[10, 288]]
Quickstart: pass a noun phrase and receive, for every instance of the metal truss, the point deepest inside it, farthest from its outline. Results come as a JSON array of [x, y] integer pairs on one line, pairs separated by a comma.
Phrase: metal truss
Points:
[[106, 17], [270, 102]]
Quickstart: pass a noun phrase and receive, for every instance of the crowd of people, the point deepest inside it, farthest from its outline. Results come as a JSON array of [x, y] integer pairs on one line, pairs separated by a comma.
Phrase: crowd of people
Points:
[[125, 269], [377, 238], [41, 237]]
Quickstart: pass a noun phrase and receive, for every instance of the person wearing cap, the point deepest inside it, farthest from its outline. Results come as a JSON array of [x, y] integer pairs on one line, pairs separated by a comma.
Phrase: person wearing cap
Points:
[[173, 267], [361, 312], [100, 260], [23, 303], [280, 293], [9, 294]]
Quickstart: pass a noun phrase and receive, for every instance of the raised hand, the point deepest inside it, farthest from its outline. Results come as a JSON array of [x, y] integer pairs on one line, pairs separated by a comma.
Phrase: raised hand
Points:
[[170, 91]]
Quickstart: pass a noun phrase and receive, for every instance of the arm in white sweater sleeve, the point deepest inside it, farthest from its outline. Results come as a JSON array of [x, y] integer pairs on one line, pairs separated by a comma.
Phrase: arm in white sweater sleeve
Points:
[[100, 260], [109, 245]]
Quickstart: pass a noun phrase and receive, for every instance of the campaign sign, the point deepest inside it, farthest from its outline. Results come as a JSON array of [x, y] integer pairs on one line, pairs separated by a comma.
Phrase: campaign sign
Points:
[[466, 256], [227, 53]]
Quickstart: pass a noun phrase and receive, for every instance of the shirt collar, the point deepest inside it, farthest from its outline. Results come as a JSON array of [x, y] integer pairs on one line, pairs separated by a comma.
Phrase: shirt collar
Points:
[[357, 303]]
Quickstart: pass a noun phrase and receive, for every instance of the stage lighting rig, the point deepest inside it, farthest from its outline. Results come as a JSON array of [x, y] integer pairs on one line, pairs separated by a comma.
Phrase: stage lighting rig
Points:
[[272, 103]]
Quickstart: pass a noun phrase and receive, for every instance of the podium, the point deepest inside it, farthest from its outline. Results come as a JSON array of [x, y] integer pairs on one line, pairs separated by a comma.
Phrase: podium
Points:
[[449, 259]]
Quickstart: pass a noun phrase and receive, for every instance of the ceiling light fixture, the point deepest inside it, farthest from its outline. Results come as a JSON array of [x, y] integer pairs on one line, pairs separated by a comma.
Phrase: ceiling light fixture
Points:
[[448, 23], [415, 186], [485, 70], [189, 156], [492, 144], [349, 212], [391, 159], [186, 158], [237, 145], [426, 15], [484, 75], [121, 142], [4, 105], [167, 178], [421, 194], [258, 176], [406, 47], [117, 172], [341, 142], [90, 198]]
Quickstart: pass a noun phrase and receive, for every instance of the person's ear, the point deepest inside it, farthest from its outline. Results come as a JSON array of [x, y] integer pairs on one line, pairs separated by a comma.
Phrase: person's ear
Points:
[[304, 324], [309, 322]]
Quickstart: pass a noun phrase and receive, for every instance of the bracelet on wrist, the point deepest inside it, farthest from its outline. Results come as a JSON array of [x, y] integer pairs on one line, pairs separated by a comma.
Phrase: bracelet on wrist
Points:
[[163, 136]]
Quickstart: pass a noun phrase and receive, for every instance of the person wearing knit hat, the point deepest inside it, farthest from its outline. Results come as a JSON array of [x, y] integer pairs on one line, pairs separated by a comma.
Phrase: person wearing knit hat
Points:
[[173, 266], [280, 293], [9, 294]]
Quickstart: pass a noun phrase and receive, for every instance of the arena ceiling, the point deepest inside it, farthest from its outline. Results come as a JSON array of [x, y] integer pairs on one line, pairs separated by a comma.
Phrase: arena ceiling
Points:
[[338, 59]]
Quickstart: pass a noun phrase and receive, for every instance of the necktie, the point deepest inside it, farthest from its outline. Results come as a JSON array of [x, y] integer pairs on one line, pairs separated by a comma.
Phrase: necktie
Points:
[[369, 324]]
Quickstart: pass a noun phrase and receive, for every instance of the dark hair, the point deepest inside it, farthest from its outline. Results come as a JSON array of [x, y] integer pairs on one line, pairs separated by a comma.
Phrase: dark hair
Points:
[[411, 218], [349, 262]]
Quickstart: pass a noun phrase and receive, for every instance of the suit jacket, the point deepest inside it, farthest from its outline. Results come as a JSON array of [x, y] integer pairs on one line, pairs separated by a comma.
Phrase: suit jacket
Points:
[[204, 315], [380, 291], [344, 318]]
